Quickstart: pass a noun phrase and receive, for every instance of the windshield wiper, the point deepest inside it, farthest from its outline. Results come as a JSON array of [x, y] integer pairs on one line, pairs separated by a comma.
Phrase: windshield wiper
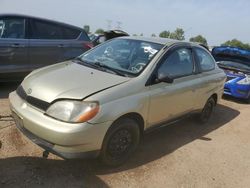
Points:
[[99, 66], [88, 63], [109, 68]]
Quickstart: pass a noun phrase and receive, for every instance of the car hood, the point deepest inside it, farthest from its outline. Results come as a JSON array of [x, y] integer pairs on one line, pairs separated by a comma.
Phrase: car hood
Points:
[[68, 80]]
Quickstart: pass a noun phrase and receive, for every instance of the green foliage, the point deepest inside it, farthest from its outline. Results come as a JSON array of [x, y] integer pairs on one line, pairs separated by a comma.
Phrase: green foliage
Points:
[[99, 31], [164, 34], [178, 34], [199, 39], [86, 28], [236, 43]]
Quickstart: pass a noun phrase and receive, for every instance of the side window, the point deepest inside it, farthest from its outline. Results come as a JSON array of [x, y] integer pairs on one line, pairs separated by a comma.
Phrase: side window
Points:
[[45, 30], [69, 33], [12, 28], [205, 61], [179, 63]]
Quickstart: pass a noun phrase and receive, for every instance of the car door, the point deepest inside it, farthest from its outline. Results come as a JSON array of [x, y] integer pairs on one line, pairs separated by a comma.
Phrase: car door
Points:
[[13, 47], [45, 43], [171, 100], [209, 77]]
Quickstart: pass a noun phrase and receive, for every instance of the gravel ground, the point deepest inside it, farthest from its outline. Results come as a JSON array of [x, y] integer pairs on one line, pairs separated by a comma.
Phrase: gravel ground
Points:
[[184, 154]]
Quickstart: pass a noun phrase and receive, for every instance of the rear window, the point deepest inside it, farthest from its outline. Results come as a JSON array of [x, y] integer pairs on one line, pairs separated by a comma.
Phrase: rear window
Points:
[[206, 62]]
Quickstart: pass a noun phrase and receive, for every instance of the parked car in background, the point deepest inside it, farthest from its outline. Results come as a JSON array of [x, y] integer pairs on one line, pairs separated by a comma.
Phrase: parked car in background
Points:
[[28, 43], [97, 39], [100, 103], [236, 63]]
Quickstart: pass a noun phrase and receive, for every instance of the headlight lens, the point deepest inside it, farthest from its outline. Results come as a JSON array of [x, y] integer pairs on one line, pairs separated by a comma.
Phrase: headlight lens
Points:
[[73, 111], [245, 81]]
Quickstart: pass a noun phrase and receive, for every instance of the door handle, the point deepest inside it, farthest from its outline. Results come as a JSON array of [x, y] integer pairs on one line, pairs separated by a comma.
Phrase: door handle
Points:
[[17, 46], [62, 46]]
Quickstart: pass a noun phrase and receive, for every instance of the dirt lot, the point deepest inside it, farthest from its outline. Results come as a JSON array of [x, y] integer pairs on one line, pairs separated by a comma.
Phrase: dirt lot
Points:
[[185, 154]]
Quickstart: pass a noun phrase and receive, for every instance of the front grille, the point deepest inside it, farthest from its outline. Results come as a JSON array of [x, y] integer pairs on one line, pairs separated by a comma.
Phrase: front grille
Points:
[[40, 104]]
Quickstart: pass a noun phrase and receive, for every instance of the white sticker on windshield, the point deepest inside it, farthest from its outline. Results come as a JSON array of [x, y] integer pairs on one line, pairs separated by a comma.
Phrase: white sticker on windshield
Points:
[[149, 49]]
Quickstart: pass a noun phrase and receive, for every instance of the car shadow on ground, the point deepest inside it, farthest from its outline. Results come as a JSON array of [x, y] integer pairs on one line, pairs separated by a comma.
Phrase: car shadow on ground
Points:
[[39, 172], [33, 171], [6, 88], [233, 99], [166, 140]]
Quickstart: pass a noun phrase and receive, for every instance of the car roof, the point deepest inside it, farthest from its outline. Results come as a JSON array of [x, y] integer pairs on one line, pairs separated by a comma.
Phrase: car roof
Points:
[[158, 40], [43, 19]]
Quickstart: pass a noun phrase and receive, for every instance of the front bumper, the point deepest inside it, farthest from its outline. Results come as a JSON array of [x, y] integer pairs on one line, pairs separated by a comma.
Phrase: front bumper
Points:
[[237, 90], [63, 139]]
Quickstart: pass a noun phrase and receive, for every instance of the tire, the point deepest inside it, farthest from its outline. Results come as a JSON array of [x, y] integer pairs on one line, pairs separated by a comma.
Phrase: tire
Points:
[[121, 140], [207, 111], [248, 100]]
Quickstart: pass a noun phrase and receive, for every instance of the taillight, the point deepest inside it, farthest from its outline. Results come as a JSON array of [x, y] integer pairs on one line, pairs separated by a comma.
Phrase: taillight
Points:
[[88, 45]]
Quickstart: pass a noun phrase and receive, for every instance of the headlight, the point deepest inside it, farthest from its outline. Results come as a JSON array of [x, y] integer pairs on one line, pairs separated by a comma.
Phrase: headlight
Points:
[[73, 111], [245, 81]]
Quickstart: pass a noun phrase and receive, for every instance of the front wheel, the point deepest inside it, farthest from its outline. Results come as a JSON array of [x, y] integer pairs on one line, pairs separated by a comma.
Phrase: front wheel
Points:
[[207, 110], [120, 142]]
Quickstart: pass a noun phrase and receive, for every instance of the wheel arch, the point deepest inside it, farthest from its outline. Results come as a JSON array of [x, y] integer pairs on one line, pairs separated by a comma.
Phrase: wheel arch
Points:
[[134, 116]]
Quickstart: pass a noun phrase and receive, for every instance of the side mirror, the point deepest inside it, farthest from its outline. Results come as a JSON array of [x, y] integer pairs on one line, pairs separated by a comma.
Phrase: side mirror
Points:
[[163, 77]]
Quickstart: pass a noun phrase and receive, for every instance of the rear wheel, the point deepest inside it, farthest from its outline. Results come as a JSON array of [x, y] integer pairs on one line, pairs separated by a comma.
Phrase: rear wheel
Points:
[[120, 142], [207, 110], [248, 100]]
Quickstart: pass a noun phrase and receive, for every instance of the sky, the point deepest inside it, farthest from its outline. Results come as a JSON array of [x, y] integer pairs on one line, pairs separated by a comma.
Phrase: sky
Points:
[[217, 20]]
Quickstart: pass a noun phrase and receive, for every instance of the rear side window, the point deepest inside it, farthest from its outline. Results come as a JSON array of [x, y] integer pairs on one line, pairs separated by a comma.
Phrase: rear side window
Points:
[[178, 64], [45, 30], [205, 61], [69, 33], [12, 28]]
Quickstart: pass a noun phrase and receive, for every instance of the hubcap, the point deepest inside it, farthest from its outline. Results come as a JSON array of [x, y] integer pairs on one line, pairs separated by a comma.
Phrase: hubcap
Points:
[[120, 143]]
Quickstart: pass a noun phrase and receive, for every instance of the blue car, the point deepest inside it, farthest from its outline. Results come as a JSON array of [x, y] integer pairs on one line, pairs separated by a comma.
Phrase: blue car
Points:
[[236, 64]]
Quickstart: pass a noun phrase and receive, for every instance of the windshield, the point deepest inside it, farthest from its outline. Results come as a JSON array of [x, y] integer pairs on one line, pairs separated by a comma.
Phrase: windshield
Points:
[[124, 55]]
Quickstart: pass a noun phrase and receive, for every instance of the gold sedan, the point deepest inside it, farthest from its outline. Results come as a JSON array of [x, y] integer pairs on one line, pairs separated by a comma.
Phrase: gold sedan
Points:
[[99, 104]]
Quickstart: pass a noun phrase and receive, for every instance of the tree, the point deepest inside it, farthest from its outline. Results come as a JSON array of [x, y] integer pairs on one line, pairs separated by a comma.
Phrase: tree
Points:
[[236, 43], [99, 31], [153, 35], [199, 39], [141, 34], [86, 28], [178, 34], [164, 34]]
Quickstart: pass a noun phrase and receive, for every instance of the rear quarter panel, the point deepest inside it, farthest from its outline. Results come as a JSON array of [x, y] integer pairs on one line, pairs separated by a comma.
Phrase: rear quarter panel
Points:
[[213, 83]]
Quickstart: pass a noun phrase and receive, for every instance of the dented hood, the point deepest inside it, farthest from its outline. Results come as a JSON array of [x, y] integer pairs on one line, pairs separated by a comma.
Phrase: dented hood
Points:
[[68, 80]]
